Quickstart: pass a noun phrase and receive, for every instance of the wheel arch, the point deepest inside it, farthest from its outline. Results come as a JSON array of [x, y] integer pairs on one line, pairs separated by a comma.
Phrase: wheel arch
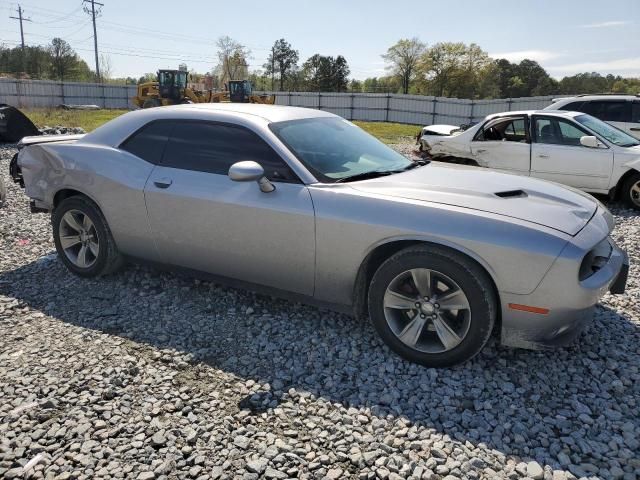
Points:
[[617, 194], [380, 252], [67, 192]]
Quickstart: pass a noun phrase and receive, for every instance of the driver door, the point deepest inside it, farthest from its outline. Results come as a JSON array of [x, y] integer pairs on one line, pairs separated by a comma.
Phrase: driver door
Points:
[[503, 144], [558, 155], [203, 220]]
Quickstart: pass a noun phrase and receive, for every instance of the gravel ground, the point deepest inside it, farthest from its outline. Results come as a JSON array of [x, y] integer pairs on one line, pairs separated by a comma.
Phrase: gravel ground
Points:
[[147, 374]]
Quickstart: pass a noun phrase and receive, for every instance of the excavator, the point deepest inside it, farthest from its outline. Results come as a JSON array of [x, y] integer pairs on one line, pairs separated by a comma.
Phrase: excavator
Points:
[[171, 88]]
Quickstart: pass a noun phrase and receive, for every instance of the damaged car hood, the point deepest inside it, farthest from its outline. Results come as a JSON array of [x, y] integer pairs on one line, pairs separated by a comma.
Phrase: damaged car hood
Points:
[[529, 199]]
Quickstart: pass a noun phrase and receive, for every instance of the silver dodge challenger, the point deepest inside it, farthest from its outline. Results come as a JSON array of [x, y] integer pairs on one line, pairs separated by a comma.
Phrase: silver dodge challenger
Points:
[[302, 203]]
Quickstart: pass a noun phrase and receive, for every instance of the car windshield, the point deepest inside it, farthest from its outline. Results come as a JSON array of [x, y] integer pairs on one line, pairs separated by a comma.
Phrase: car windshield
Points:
[[609, 132], [334, 149]]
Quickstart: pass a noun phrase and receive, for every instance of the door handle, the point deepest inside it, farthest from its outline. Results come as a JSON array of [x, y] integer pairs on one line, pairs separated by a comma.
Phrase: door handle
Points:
[[542, 155], [163, 182]]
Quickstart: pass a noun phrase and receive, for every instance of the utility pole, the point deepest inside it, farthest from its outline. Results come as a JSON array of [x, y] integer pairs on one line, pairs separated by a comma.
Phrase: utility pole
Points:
[[95, 35], [21, 19], [273, 65]]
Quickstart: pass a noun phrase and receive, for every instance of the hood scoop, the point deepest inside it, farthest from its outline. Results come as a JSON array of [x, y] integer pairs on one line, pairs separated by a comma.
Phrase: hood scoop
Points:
[[512, 194]]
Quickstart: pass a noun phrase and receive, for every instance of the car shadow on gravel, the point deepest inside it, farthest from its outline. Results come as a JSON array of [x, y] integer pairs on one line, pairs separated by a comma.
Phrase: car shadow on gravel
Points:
[[530, 404]]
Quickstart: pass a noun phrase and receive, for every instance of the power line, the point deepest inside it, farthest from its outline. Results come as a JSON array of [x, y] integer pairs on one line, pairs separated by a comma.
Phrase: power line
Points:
[[57, 19]]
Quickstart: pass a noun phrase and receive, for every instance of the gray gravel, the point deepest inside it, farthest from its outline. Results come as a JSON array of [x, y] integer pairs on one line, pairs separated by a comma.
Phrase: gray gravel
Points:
[[150, 375]]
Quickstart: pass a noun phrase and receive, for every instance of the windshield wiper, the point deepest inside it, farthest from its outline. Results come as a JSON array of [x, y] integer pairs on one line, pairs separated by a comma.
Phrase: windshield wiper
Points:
[[380, 173], [364, 176], [415, 164]]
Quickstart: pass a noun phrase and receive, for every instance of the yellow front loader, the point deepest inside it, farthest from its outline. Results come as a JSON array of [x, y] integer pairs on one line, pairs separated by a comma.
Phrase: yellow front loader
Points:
[[172, 89]]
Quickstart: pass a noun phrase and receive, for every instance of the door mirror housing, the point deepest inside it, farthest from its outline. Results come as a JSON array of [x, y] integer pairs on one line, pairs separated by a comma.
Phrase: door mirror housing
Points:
[[250, 171], [589, 141]]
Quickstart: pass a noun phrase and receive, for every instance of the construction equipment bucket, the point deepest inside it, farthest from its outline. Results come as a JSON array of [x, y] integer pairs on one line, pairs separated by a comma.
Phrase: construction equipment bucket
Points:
[[14, 125]]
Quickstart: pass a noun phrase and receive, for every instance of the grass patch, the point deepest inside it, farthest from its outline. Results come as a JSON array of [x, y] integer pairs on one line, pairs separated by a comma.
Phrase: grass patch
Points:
[[390, 132], [87, 119], [91, 119]]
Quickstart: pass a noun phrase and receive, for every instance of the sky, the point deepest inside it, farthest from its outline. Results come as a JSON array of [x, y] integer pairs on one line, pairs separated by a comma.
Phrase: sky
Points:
[[139, 36]]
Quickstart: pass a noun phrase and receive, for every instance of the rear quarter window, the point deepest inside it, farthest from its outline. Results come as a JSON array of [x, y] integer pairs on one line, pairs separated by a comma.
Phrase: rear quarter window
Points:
[[149, 142], [574, 107]]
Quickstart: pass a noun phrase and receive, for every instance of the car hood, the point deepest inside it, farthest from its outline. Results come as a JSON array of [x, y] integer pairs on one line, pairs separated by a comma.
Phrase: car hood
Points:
[[529, 199], [440, 129]]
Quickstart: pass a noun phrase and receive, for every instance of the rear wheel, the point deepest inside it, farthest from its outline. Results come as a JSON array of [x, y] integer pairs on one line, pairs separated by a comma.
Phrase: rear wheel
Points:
[[432, 306], [3, 193], [631, 191], [83, 239]]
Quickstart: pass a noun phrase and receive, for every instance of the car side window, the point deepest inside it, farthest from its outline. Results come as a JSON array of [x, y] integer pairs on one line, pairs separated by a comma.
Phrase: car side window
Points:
[[214, 147], [574, 107], [149, 142], [557, 131], [611, 110], [508, 129], [635, 112]]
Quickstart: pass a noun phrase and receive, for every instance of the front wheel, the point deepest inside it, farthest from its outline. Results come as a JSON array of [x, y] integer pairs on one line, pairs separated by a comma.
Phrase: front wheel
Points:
[[631, 191], [83, 239], [432, 306]]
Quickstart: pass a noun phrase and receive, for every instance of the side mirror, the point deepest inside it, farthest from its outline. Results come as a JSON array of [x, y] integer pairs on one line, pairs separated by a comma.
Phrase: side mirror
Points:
[[589, 141], [250, 172]]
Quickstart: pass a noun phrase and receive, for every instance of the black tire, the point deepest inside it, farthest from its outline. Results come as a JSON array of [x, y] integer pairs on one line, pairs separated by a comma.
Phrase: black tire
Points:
[[471, 279], [3, 193], [627, 195], [108, 259], [151, 103]]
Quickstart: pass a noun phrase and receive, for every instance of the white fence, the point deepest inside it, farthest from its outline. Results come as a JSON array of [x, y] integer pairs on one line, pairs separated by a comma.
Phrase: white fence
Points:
[[43, 93], [411, 109]]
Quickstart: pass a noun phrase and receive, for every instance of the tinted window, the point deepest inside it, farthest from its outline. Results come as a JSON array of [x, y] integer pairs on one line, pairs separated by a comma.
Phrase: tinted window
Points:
[[213, 148], [573, 107], [558, 132], [610, 111], [635, 112], [149, 142]]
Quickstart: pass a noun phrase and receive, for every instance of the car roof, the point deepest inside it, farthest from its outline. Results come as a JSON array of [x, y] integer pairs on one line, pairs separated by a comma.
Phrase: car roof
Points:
[[559, 113], [597, 96], [271, 113], [250, 115]]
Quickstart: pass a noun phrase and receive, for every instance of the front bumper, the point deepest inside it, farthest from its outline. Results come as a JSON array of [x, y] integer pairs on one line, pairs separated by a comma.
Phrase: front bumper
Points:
[[568, 302]]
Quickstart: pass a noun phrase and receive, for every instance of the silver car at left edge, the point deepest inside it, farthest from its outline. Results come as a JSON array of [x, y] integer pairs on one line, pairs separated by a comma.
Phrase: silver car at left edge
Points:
[[304, 204]]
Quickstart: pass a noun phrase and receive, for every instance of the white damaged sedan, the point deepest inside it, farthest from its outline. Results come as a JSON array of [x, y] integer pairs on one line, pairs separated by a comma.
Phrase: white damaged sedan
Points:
[[571, 148]]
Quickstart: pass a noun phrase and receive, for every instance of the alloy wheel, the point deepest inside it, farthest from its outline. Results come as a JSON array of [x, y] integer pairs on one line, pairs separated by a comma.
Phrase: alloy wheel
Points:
[[79, 239], [635, 194], [427, 311]]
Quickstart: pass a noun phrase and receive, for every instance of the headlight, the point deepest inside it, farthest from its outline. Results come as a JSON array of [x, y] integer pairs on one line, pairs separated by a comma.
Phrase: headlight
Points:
[[595, 259]]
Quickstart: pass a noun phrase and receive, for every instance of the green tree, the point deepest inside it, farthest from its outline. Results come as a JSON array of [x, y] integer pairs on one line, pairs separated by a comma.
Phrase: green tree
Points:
[[403, 58], [64, 61], [440, 65], [339, 74], [355, 86], [283, 60], [232, 59], [326, 73]]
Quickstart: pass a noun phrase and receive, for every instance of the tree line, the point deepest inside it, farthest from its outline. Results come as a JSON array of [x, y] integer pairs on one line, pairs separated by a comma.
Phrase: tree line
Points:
[[455, 69], [447, 69]]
